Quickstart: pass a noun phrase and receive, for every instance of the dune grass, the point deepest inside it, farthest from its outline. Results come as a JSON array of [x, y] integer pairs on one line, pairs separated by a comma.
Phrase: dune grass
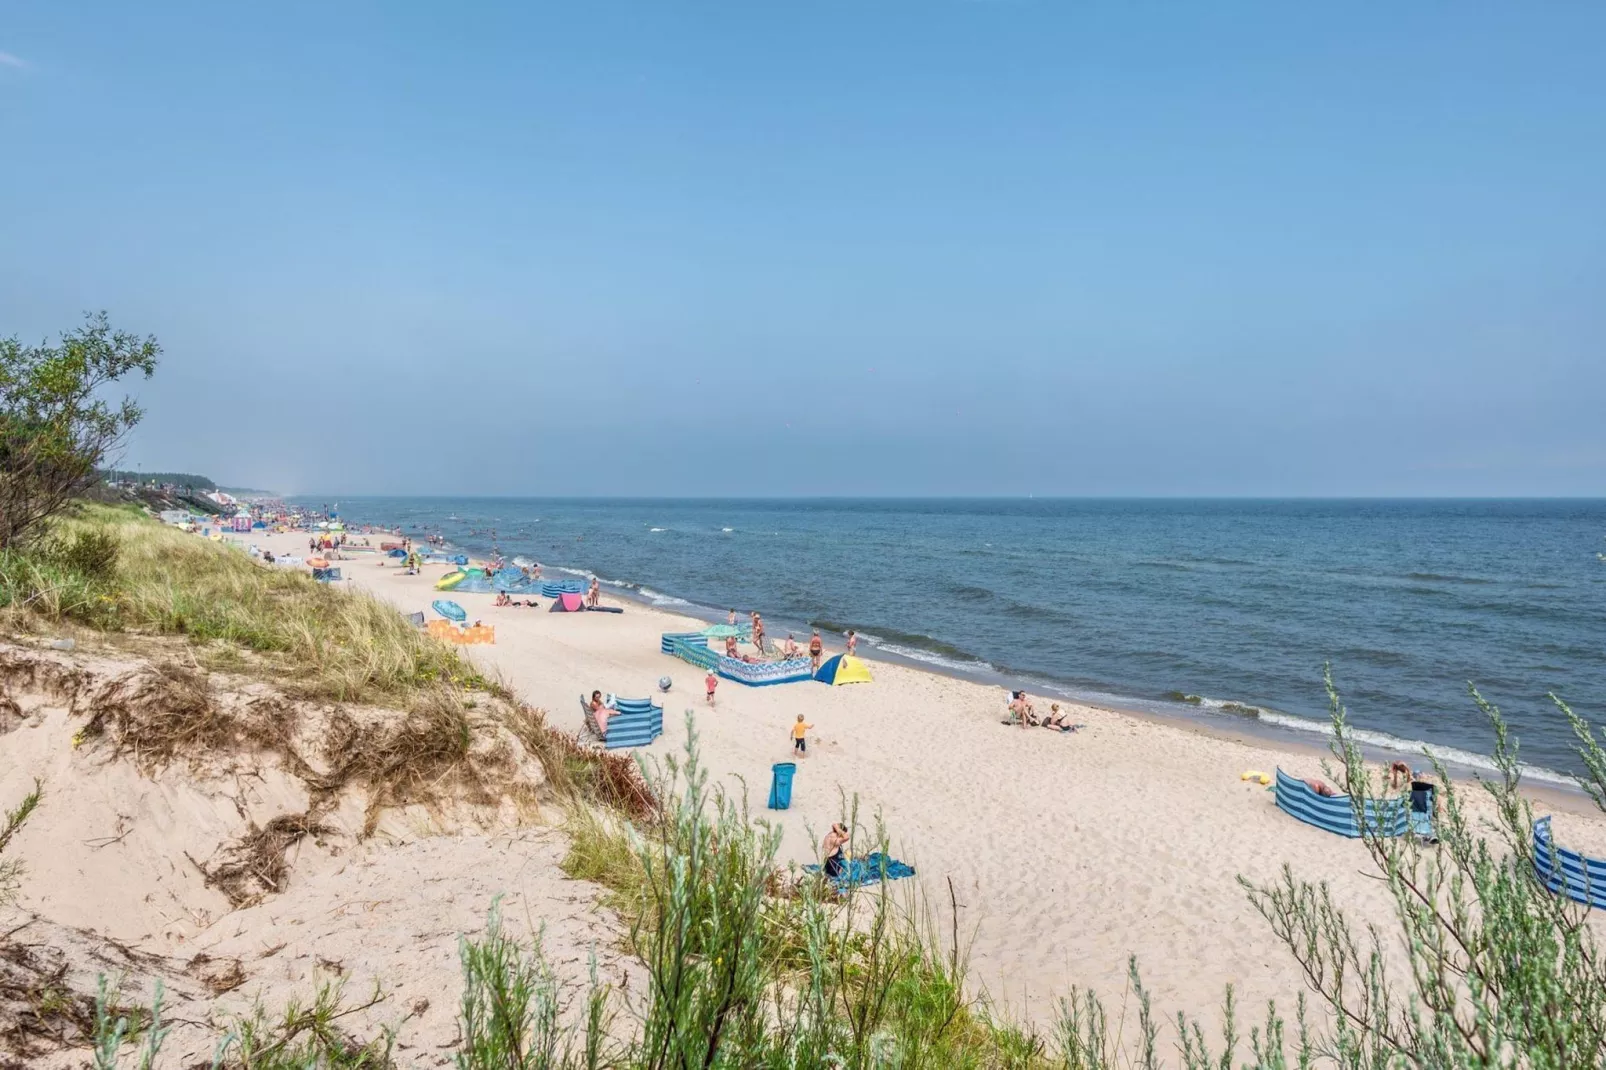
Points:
[[112, 570]]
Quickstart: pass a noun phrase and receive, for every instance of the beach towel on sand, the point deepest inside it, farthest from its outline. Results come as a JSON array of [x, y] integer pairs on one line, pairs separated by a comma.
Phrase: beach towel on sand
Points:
[[870, 869]]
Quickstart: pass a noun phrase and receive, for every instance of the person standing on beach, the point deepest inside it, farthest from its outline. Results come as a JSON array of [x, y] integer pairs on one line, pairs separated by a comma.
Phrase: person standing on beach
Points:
[[710, 682], [731, 619], [593, 593], [800, 737], [853, 641], [816, 649], [758, 632]]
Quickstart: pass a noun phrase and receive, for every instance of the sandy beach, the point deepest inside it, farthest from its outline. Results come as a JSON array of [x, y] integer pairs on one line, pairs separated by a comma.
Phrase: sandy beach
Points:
[[1067, 852]]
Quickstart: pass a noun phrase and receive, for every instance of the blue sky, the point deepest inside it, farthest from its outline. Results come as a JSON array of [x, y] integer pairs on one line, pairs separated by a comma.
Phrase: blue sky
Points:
[[671, 248]]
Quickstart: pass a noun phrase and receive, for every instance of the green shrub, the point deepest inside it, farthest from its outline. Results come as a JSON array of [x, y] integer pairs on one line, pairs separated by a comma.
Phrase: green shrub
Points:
[[91, 552]]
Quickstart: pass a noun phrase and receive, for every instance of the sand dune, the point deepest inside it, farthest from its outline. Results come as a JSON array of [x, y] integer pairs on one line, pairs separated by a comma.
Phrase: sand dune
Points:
[[114, 880]]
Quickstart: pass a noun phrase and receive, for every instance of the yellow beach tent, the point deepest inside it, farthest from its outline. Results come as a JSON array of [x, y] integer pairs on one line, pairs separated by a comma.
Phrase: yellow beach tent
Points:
[[843, 670]]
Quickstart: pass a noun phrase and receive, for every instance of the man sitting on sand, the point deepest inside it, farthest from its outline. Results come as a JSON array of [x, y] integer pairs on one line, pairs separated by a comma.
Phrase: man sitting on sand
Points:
[[834, 850], [502, 599], [790, 650]]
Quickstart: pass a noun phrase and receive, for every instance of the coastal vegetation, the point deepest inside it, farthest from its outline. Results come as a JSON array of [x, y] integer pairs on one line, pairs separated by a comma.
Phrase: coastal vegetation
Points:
[[750, 964], [55, 427], [186, 480]]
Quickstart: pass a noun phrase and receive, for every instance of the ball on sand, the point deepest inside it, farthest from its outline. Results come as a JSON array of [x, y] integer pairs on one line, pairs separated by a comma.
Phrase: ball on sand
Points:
[[664, 682]]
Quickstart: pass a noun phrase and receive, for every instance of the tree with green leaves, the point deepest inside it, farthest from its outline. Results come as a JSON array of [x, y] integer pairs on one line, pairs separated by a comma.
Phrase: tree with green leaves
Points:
[[56, 427]]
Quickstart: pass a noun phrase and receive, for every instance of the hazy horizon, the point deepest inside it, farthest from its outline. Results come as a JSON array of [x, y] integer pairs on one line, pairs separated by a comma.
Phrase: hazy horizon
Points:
[[947, 249]]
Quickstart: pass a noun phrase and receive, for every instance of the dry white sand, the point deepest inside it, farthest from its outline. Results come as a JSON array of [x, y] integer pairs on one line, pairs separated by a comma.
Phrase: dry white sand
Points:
[[1067, 852], [112, 886]]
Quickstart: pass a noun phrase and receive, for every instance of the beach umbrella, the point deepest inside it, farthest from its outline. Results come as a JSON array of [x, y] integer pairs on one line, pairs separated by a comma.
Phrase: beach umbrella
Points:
[[449, 610]]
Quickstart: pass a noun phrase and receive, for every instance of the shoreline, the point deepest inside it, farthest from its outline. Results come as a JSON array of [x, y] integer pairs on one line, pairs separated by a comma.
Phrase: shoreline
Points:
[[1067, 852], [1309, 735]]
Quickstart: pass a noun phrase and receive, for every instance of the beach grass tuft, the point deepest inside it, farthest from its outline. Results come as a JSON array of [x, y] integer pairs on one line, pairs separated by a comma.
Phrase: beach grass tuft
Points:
[[109, 570]]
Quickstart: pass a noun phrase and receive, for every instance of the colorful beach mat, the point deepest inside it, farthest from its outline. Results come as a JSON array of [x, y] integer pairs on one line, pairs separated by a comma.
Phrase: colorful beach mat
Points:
[[871, 869]]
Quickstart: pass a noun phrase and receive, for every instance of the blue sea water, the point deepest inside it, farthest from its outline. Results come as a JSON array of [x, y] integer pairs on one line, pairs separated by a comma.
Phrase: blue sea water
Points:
[[1134, 603]]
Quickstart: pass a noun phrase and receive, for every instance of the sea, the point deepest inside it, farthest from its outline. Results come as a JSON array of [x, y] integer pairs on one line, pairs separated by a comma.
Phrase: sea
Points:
[[1219, 610]]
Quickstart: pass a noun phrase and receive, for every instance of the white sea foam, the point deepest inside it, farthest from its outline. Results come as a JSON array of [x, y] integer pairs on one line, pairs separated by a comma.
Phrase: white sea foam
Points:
[[1452, 756], [657, 529], [926, 657], [658, 598], [727, 530]]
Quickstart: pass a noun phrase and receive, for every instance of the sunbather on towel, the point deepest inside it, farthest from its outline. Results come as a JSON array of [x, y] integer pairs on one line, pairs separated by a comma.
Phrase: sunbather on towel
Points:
[[1321, 787], [1056, 719], [834, 850]]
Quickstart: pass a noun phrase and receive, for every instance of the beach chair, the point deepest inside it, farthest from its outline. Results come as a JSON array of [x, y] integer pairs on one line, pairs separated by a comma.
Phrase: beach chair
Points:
[[590, 720], [1335, 814]]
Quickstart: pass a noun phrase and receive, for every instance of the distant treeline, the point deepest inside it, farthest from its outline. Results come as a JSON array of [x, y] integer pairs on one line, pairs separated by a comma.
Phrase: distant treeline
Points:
[[177, 479]]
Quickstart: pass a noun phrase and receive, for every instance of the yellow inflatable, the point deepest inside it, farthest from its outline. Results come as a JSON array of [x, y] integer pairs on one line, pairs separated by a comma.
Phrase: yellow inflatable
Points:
[[1255, 774]]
